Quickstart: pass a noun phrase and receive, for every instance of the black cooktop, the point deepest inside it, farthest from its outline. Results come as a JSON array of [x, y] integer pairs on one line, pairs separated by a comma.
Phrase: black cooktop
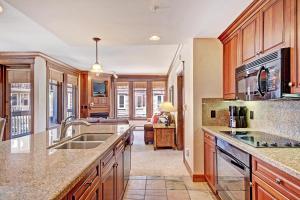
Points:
[[263, 140]]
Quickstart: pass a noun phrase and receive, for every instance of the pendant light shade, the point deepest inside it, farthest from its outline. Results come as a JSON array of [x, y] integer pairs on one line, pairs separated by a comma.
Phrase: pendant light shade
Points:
[[97, 68]]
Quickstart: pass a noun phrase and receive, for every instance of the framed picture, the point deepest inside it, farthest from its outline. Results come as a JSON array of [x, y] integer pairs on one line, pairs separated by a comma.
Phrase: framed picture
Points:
[[99, 88], [171, 94]]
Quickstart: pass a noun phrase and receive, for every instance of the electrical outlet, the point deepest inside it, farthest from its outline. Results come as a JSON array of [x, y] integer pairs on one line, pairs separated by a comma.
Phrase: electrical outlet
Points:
[[187, 153], [212, 114], [251, 114]]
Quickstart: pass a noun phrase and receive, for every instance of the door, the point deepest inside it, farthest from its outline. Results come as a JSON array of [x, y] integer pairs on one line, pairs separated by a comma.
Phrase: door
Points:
[[250, 39], [120, 174], [295, 67], [229, 66], [180, 112], [18, 102], [108, 184], [209, 164], [274, 26]]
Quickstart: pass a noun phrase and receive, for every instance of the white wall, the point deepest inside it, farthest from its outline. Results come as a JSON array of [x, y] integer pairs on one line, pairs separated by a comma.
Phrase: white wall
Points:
[[202, 79], [40, 95]]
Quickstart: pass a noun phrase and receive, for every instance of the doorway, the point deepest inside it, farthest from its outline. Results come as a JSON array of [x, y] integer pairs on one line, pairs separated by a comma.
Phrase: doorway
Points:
[[180, 111], [16, 100]]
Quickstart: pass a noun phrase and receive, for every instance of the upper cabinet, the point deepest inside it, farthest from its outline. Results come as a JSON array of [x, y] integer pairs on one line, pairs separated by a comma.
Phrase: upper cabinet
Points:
[[275, 25], [230, 54], [264, 27], [250, 39]]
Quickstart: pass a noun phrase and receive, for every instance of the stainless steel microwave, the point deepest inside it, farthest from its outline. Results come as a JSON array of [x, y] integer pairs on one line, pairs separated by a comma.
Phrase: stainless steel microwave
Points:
[[265, 78]]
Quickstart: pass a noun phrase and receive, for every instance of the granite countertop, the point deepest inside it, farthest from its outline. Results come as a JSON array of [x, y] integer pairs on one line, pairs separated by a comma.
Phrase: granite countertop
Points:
[[285, 159], [29, 170]]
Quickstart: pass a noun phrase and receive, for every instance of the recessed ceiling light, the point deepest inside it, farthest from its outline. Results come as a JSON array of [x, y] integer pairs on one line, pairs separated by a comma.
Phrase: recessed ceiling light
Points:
[[154, 38]]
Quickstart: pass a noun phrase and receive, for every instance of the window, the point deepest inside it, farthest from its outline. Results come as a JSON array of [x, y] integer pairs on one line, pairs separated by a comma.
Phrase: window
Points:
[[53, 102], [158, 94], [71, 102], [140, 94], [122, 90], [14, 99]]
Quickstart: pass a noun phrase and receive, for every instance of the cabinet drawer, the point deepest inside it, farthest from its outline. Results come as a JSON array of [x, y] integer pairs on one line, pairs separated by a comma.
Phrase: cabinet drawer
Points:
[[209, 138], [107, 161], [87, 184], [288, 185]]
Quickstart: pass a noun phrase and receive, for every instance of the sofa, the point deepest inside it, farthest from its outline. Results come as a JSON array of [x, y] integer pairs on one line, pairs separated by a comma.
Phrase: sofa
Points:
[[148, 133]]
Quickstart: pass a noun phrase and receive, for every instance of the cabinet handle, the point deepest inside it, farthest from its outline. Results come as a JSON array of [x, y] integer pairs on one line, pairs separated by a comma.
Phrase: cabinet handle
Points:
[[291, 84], [89, 183], [278, 181]]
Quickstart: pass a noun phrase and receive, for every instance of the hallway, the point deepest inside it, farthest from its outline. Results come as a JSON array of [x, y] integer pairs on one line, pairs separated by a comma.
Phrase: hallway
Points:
[[161, 175]]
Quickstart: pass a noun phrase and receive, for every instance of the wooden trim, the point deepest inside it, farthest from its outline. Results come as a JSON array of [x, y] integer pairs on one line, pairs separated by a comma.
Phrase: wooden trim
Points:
[[174, 58], [249, 12], [141, 78], [180, 114], [199, 178]]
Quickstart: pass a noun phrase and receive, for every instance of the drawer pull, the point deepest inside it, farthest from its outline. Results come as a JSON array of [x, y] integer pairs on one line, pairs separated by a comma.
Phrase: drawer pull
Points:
[[89, 183], [278, 181]]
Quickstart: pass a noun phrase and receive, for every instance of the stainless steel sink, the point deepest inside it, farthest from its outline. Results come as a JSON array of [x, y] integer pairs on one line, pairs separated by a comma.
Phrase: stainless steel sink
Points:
[[79, 145], [93, 137]]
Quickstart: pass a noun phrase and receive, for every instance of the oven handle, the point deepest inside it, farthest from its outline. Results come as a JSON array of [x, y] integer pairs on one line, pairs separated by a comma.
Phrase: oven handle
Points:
[[258, 80], [238, 164]]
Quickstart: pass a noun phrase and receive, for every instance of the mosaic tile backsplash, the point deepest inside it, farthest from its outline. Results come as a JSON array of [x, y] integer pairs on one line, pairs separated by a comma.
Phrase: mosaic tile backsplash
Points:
[[280, 117]]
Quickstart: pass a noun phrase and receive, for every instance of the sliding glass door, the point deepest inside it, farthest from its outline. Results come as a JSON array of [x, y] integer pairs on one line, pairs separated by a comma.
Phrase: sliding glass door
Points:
[[122, 95], [19, 102], [140, 98]]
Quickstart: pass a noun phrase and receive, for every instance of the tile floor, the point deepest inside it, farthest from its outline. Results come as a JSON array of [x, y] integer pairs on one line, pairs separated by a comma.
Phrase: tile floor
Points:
[[166, 188]]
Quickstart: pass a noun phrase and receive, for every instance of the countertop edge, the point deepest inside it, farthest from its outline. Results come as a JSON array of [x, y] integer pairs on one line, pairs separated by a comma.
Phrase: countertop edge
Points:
[[265, 158]]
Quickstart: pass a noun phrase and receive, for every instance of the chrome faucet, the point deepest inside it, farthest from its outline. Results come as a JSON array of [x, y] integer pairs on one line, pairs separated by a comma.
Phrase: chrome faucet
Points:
[[69, 121]]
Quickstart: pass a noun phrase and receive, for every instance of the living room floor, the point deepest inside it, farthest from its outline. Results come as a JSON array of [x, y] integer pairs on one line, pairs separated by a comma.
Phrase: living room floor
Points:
[[161, 175], [162, 162]]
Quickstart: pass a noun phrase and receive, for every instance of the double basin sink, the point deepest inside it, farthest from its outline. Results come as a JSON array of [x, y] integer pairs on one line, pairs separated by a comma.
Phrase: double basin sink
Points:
[[85, 141]]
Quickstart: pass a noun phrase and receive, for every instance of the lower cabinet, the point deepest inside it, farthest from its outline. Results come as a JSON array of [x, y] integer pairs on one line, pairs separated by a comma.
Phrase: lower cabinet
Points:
[[268, 182], [210, 160], [105, 179]]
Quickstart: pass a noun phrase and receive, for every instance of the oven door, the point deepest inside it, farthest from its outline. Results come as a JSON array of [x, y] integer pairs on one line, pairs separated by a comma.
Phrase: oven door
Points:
[[233, 177]]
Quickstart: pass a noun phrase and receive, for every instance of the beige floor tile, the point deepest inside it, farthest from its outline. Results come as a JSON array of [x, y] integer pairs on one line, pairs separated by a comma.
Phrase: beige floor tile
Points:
[[175, 185], [201, 195], [156, 185], [190, 185], [155, 177], [156, 192], [178, 194], [174, 178], [156, 198], [136, 184]]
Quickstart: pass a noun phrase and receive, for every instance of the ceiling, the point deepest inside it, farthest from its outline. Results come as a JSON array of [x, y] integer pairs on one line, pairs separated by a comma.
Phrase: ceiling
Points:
[[64, 28]]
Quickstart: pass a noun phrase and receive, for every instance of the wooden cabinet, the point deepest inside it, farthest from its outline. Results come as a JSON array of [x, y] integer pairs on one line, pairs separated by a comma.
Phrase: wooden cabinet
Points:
[[250, 39], [210, 160], [88, 187], [119, 172], [230, 54], [164, 136], [105, 179], [295, 64], [275, 25], [264, 27], [271, 183]]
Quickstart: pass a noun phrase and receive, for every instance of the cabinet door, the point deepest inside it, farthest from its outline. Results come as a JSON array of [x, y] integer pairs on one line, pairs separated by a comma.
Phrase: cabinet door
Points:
[[210, 163], [120, 175], [250, 39], [230, 63], [295, 64], [275, 23], [262, 191], [108, 185]]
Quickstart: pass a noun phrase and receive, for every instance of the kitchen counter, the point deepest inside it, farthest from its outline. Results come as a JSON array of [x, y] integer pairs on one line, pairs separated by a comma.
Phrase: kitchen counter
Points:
[[285, 159], [29, 170]]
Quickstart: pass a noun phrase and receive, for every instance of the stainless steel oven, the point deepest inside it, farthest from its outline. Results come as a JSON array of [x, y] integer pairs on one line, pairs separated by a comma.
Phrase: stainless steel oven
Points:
[[265, 78], [233, 172]]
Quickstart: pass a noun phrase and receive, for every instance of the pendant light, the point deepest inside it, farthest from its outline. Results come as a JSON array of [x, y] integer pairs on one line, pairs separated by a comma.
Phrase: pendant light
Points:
[[97, 67]]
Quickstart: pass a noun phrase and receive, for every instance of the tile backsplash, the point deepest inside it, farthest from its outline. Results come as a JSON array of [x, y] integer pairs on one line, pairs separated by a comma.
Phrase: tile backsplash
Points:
[[281, 117]]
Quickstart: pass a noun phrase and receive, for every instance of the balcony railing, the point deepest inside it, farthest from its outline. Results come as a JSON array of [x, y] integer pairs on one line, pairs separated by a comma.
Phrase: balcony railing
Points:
[[20, 123]]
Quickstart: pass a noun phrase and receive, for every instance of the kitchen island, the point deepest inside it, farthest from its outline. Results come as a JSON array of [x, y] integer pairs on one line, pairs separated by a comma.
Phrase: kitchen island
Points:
[[29, 169]]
